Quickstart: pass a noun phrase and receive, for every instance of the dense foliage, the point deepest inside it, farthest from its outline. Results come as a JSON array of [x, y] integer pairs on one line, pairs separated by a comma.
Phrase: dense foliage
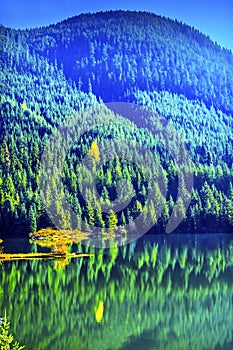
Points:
[[119, 51], [49, 74], [6, 338]]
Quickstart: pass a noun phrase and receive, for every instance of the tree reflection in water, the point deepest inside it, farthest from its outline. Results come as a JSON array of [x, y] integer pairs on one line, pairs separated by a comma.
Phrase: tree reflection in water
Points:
[[149, 294]]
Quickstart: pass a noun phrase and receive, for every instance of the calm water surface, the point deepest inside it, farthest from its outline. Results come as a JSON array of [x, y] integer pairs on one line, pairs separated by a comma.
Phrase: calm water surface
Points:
[[172, 292]]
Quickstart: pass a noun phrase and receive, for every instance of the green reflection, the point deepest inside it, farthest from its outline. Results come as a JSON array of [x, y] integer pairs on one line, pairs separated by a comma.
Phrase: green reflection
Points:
[[146, 295]]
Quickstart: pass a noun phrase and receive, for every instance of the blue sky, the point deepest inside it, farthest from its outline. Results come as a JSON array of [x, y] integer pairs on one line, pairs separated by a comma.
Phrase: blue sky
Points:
[[212, 17]]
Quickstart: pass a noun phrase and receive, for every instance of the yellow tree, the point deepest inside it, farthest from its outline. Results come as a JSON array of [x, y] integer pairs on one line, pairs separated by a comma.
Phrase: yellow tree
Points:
[[94, 151]]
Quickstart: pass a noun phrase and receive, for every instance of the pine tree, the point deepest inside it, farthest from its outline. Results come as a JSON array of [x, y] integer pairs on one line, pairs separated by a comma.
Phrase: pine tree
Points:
[[112, 220], [7, 339]]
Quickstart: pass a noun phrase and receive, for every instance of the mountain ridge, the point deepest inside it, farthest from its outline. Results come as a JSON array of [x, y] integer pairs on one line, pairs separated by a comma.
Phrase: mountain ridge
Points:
[[93, 38]]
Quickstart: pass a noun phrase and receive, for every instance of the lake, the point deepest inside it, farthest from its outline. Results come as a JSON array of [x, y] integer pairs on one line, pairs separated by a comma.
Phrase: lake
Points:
[[161, 292]]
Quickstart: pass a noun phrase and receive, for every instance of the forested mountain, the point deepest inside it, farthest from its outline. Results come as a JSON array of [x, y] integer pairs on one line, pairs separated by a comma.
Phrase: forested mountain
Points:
[[49, 74]]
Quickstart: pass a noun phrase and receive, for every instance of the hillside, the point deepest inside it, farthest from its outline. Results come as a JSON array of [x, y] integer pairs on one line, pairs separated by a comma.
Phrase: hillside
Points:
[[49, 74]]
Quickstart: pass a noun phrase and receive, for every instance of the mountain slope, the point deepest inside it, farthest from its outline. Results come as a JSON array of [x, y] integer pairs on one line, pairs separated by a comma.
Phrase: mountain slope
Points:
[[127, 50]]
